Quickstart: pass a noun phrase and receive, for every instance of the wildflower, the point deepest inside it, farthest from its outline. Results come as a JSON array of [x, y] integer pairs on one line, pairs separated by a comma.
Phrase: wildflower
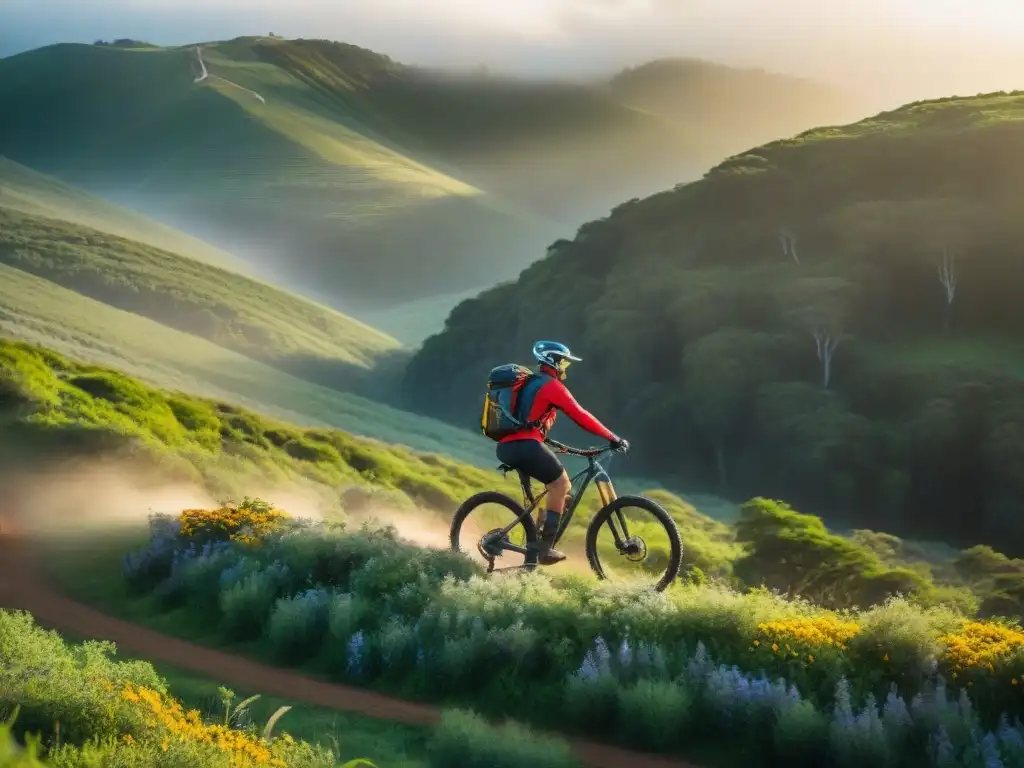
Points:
[[775, 647], [356, 645], [815, 631]]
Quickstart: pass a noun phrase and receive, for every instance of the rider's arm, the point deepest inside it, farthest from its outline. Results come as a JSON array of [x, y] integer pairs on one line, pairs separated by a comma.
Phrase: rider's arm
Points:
[[562, 398]]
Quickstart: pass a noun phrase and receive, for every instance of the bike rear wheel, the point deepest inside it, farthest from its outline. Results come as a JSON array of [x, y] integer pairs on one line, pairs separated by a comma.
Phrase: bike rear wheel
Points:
[[634, 540], [477, 523]]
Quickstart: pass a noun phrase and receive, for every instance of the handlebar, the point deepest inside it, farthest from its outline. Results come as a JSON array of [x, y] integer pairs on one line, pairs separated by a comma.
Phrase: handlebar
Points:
[[587, 453]]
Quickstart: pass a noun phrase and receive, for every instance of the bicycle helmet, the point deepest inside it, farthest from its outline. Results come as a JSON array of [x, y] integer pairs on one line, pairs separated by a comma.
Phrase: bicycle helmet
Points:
[[555, 355]]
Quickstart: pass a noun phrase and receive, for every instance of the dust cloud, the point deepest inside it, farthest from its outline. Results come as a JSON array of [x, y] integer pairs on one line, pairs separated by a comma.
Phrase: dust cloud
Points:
[[80, 495], [74, 497]]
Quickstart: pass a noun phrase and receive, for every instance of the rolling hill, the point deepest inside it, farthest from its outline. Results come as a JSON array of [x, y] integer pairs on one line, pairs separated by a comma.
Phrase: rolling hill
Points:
[[38, 311], [53, 231], [341, 173], [833, 319], [24, 190]]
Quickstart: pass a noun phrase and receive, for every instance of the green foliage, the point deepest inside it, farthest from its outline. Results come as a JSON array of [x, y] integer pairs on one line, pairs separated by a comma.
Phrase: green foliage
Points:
[[58, 398], [465, 739], [788, 551], [781, 328], [63, 706], [40, 312]]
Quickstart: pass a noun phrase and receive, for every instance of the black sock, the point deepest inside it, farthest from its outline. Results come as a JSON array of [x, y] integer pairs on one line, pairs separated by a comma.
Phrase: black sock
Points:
[[551, 521]]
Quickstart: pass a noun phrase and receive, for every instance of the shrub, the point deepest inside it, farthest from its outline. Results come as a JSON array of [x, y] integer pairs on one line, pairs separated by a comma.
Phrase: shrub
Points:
[[466, 740], [298, 624], [248, 522], [115, 713], [245, 606], [800, 736], [51, 682], [655, 714]]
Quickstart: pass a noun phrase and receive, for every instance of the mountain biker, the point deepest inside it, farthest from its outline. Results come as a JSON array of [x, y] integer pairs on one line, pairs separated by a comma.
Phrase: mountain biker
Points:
[[525, 450]]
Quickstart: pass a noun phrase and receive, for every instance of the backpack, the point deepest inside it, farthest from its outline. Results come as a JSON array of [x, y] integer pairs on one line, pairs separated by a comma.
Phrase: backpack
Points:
[[510, 392]]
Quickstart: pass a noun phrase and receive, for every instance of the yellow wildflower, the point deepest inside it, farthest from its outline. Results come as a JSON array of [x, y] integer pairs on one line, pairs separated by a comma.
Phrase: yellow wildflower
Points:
[[814, 631], [245, 751], [981, 645]]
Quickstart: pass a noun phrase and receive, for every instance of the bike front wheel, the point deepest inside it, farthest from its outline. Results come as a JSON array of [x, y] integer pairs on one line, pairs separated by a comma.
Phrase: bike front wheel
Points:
[[635, 541]]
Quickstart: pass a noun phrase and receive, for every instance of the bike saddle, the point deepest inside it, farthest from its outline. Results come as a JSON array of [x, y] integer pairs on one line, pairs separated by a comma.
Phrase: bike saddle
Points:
[[505, 468]]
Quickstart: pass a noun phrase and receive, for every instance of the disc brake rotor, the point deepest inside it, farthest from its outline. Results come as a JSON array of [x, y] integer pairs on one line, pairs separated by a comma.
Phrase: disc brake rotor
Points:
[[635, 549]]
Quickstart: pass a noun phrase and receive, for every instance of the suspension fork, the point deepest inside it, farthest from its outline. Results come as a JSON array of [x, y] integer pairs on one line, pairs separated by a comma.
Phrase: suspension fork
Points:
[[607, 492]]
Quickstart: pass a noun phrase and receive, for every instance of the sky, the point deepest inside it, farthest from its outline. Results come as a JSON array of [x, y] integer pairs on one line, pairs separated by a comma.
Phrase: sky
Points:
[[897, 49]]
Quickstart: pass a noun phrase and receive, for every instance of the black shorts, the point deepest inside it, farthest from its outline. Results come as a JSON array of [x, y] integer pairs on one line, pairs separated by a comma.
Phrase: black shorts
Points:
[[532, 457]]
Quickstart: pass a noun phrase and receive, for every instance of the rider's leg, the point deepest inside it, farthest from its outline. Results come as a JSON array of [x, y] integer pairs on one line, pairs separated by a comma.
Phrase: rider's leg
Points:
[[539, 462], [558, 492]]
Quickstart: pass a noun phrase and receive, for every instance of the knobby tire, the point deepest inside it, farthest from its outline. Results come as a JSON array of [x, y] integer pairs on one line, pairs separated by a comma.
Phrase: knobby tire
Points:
[[494, 497], [637, 502]]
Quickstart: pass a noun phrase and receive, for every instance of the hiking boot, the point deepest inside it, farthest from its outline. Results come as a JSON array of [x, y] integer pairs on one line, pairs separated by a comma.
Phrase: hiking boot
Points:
[[546, 554]]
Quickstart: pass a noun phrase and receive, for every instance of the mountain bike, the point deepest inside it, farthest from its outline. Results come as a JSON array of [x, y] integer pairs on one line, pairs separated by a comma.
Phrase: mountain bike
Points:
[[632, 521]]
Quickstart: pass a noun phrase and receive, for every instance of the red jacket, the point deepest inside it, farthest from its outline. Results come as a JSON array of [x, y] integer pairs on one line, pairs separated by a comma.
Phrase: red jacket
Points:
[[553, 396]]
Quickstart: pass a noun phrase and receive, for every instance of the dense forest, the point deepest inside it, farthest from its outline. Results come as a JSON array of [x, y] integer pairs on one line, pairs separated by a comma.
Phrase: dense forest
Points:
[[833, 319]]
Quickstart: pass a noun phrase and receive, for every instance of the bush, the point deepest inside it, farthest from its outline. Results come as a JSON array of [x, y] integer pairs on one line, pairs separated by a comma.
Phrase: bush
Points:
[[466, 740], [298, 624], [114, 713], [245, 606], [800, 736], [655, 714]]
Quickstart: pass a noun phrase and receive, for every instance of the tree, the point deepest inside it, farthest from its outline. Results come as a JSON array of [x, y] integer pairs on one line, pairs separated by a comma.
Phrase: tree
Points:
[[948, 279], [821, 306], [721, 375], [888, 231], [788, 241]]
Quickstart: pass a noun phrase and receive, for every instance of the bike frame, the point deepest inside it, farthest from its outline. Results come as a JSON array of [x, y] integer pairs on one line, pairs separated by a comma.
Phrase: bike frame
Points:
[[593, 472]]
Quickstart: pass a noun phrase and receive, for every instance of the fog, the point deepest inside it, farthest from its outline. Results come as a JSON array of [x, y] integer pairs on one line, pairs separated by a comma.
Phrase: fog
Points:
[[894, 49]]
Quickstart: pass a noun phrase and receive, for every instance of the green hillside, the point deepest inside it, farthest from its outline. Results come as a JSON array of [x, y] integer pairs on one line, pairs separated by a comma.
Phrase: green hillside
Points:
[[41, 312], [232, 310], [24, 190], [833, 319], [335, 170]]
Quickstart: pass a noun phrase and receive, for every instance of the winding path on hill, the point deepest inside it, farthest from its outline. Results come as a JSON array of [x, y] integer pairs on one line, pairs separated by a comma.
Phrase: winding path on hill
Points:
[[24, 587], [204, 74]]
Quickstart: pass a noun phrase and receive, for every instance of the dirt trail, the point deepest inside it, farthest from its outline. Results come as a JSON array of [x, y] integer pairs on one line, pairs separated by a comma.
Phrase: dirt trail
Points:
[[23, 586]]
